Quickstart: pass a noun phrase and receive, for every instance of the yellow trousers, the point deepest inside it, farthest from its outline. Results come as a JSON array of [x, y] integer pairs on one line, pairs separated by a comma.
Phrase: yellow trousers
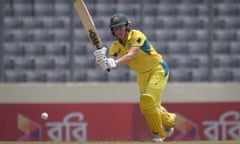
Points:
[[152, 83]]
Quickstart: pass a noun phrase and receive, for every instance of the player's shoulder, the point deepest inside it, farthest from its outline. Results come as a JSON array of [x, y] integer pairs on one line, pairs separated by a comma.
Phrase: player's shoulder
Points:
[[136, 31]]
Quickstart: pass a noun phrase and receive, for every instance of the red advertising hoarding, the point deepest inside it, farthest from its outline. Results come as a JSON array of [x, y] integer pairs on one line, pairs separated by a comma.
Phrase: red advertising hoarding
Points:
[[115, 121]]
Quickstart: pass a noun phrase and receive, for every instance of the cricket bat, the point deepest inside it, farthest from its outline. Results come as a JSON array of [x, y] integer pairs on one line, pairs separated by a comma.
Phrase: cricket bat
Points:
[[88, 23]]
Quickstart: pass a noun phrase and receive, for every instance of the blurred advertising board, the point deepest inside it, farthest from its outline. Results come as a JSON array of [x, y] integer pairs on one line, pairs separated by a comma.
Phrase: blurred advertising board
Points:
[[115, 122]]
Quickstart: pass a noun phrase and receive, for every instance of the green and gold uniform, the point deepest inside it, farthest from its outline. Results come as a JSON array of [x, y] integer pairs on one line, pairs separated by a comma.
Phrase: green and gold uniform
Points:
[[152, 76]]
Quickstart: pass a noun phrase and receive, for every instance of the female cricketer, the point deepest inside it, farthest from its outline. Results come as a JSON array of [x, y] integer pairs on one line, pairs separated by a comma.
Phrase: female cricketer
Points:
[[133, 48]]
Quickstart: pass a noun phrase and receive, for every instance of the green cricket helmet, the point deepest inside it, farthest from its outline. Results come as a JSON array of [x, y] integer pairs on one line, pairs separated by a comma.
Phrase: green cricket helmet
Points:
[[118, 19]]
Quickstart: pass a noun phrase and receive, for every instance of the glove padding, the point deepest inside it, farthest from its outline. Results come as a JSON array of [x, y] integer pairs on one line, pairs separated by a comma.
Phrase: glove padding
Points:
[[107, 64], [103, 64], [111, 63], [100, 55]]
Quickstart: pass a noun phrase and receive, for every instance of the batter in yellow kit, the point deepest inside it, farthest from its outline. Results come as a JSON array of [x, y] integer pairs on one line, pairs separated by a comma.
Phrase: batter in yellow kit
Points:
[[132, 47]]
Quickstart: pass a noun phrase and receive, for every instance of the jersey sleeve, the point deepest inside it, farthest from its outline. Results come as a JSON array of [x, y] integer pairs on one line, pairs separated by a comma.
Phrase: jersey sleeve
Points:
[[137, 39]]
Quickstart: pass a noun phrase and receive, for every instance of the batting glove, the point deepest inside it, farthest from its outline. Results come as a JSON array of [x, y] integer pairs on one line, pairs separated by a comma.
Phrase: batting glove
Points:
[[103, 64], [100, 54], [111, 63]]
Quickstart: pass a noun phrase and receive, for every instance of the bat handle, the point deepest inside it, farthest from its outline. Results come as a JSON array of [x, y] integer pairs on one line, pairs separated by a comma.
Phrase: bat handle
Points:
[[108, 70]]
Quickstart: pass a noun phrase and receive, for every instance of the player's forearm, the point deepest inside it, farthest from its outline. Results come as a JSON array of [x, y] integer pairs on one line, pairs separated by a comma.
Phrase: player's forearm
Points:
[[129, 56], [125, 59]]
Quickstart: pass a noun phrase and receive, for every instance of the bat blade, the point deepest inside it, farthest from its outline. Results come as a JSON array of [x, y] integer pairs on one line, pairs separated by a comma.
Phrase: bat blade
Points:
[[88, 23]]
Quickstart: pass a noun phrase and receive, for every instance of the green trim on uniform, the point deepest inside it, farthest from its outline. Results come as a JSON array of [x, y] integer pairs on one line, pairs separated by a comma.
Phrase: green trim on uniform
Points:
[[146, 47], [165, 67]]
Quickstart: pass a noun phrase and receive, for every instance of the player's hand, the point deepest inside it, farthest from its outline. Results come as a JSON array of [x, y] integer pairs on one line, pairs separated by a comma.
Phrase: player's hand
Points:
[[111, 63], [103, 64], [100, 54], [107, 64]]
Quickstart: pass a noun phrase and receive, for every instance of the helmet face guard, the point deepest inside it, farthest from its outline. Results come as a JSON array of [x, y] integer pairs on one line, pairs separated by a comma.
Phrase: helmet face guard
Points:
[[117, 20]]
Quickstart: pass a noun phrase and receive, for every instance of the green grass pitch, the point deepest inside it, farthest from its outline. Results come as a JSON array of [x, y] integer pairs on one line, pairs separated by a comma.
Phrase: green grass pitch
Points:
[[128, 142]]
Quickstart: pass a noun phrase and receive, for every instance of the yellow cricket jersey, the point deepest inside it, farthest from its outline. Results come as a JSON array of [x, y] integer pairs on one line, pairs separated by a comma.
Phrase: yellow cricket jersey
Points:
[[147, 57]]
